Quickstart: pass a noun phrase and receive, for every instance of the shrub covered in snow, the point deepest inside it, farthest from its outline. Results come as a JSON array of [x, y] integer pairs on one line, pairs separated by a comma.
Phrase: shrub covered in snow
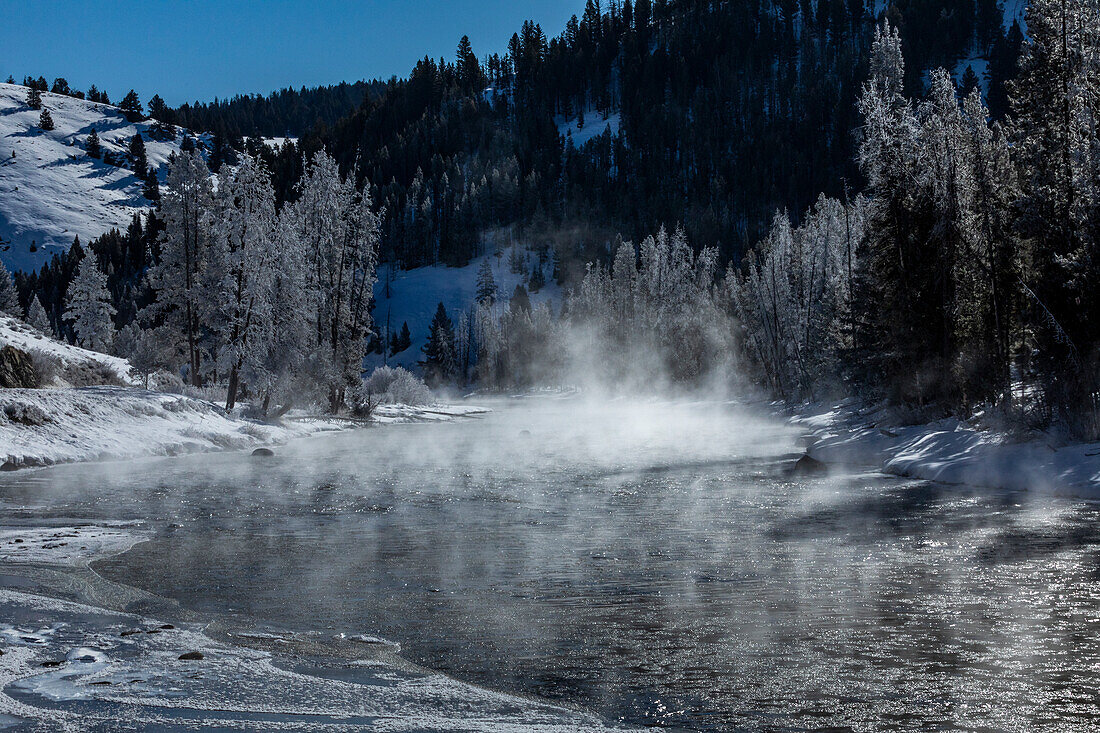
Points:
[[22, 412], [396, 386]]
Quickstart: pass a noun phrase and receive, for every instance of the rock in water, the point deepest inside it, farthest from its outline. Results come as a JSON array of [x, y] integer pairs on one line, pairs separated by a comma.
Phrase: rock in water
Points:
[[191, 656], [9, 466], [265, 452], [807, 466], [17, 369]]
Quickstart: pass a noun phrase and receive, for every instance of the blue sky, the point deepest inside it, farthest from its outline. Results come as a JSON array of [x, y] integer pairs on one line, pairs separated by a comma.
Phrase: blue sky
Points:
[[204, 48]]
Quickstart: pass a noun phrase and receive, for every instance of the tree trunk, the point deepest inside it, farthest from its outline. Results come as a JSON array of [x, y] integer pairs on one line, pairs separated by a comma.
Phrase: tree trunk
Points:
[[231, 393]]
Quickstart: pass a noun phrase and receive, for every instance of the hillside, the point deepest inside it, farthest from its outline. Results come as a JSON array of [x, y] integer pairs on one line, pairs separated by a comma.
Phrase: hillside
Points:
[[412, 296], [51, 191]]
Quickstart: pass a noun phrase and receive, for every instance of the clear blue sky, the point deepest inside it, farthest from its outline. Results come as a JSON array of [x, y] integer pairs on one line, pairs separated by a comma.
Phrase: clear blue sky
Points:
[[217, 48]]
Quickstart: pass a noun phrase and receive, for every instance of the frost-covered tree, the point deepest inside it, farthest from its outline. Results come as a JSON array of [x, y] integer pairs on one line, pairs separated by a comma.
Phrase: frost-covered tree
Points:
[[88, 307], [179, 277], [243, 258], [283, 378], [793, 299], [37, 317], [140, 347], [9, 299], [339, 232]]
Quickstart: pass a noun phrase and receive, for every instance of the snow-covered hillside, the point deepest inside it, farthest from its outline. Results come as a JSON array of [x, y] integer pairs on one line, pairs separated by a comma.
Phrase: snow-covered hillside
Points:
[[414, 295], [594, 125], [71, 364], [50, 191]]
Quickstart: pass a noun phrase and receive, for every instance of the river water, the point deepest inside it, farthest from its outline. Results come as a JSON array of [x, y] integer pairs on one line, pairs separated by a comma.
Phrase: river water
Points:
[[650, 562]]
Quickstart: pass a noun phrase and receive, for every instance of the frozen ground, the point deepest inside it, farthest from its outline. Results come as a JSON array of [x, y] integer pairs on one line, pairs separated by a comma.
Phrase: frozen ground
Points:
[[67, 666], [50, 192], [949, 451]]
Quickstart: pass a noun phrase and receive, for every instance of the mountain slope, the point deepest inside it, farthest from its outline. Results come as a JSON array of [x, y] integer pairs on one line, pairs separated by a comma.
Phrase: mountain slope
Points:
[[51, 191]]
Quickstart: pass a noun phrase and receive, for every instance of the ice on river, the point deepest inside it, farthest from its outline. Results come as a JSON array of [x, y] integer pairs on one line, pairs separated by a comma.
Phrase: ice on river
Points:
[[70, 666]]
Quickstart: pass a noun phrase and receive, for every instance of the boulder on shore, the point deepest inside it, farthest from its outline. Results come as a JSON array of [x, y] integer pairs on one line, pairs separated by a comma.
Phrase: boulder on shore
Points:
[[807, 466], [17, 369]]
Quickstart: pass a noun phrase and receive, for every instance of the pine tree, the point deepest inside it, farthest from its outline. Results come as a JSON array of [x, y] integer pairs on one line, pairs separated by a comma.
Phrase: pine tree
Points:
[[88, 307], [138, 159], [151, 189], [1056, 104], [486, 285], [439, 351], [969, 81], [45, 120], [158, 110], [34, 98], [131, 105], [404, 339], [92, 145], [37, 317]]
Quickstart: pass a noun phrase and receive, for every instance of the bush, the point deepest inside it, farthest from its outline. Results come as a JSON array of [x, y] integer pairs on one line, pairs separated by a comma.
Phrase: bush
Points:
[[395, 385], [25, 413]]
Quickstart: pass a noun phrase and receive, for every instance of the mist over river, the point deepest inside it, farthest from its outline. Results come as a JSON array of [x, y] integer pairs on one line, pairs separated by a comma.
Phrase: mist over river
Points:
[[651, 562]]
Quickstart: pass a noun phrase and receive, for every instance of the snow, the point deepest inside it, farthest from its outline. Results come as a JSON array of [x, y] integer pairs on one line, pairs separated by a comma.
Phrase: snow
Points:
[[71, 360], [276, 142], [41, 427], [51, 191], [949, 451], [415, 294], [62, 424], [594, 125], [103, 423]]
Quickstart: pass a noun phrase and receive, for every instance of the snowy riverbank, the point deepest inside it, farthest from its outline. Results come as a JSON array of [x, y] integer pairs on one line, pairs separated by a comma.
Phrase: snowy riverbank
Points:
[[47, 426], [948, 451]]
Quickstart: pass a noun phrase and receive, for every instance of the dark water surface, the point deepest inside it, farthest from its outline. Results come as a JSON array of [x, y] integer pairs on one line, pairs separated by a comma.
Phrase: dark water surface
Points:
[[649, 562]]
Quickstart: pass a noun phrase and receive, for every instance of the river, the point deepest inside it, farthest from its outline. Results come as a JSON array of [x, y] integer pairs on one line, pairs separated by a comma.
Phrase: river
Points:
[[648, 561]]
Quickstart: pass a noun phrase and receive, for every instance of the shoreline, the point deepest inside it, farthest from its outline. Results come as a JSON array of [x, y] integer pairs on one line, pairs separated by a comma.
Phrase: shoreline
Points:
[[947, 451], [111, 649], [46, 427]]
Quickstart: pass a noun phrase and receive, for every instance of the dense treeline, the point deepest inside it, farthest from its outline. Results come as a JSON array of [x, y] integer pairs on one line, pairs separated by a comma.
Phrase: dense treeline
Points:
[[715, 114], [287, 112], [975, 269]]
